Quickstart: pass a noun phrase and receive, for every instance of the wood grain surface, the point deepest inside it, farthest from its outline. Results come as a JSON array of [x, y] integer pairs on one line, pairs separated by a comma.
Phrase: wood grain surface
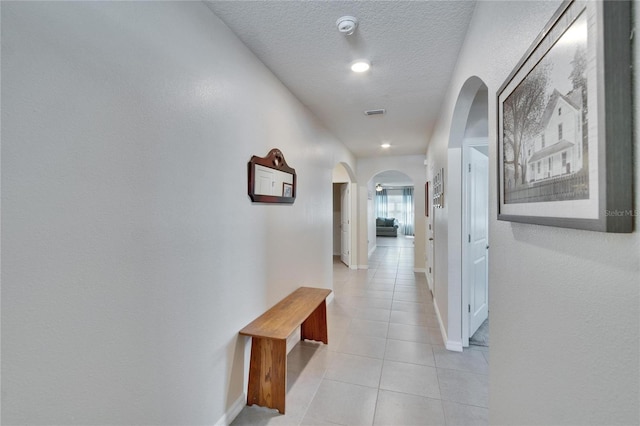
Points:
[[283, 318]]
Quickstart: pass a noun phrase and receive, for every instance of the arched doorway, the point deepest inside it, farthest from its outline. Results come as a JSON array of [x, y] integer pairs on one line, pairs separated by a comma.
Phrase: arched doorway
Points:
[[468, 196], [411, 165]]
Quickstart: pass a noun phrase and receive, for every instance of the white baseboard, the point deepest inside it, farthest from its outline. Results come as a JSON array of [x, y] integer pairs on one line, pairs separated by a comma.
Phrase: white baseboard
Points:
[[418, 270], [363, 266], [233, 411], [429, 282], [372, 250], [330, 297], [293, 340], [453, 346], [449, 344], [442, 329]]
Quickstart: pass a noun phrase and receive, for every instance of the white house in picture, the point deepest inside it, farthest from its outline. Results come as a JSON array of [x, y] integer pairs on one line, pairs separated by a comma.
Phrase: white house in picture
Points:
[[557, 150]]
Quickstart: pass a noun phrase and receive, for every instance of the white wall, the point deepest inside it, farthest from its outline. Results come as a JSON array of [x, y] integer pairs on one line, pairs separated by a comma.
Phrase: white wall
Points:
[[340, 174], [131, 252], [477, 125], [564, 303], [411, 165]]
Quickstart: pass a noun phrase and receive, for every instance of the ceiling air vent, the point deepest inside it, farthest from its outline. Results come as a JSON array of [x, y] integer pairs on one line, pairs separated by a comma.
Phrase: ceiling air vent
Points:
[[375, 112]]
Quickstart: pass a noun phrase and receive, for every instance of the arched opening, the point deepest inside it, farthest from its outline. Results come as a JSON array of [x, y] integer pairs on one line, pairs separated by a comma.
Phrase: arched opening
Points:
[[413, 167], [391, 230], [344, 215], [468, 197]]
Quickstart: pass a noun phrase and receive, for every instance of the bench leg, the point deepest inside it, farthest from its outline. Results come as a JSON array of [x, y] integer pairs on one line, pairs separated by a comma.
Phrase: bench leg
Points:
[[268, 373], [315, 327]]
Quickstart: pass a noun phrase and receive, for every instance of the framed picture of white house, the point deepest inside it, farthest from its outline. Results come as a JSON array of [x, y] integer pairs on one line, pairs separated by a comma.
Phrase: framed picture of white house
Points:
[[565, 123]]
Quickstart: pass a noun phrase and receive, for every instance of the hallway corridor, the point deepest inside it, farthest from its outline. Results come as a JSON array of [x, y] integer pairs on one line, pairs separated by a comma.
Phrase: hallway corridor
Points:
[[385, 363]]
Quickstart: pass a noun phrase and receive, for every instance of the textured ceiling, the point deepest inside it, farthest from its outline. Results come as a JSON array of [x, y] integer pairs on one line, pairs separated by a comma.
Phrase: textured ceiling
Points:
[[412, 45]]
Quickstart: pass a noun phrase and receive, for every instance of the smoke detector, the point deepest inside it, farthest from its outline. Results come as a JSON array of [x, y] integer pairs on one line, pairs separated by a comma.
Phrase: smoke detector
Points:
[[347, 25]]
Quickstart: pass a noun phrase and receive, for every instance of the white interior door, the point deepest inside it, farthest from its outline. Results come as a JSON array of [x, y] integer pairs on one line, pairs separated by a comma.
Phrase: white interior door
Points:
[[345, 232], [477, 264]]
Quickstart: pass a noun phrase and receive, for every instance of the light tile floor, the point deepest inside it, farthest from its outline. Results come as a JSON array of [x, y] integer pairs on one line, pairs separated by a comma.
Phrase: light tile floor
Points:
[[385, 363]]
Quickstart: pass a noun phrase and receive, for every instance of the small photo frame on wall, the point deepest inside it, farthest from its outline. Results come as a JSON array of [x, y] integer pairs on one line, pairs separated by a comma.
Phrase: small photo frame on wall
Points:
[[287, 190], [565, 123]]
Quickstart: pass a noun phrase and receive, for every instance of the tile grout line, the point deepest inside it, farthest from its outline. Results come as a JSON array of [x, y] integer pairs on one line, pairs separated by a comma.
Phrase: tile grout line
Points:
[[417, 302]]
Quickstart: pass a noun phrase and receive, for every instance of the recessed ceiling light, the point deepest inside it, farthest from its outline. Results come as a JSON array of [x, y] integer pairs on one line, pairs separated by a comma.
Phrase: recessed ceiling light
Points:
[[386, 145], [361, 65]]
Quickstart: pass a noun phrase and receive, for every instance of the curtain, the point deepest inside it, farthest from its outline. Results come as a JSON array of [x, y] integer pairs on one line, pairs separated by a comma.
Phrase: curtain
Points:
[[407, 201], [381, 203]]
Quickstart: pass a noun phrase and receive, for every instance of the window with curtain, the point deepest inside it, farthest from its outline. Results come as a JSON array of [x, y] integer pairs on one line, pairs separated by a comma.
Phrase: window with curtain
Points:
[[381, 203], [407, 203], [398, 204]]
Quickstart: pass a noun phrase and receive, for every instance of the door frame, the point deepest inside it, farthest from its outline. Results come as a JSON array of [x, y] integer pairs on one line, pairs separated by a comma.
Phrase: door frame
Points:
[[343, 174], [346, 211], [430, 264], [468, 144]]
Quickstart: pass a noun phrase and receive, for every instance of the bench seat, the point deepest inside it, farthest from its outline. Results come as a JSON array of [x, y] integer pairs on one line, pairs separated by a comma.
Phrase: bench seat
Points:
[[306, 307]]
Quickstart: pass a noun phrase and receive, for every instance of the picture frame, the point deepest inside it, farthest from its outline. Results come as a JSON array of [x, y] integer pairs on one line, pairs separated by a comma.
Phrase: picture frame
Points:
[[564, 123], [438, 189], [287, 190], [426, 199], [266, 175]]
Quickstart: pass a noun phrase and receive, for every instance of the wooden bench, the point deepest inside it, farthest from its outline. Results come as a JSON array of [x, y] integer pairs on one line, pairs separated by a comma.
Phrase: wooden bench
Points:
[[305, 307]]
